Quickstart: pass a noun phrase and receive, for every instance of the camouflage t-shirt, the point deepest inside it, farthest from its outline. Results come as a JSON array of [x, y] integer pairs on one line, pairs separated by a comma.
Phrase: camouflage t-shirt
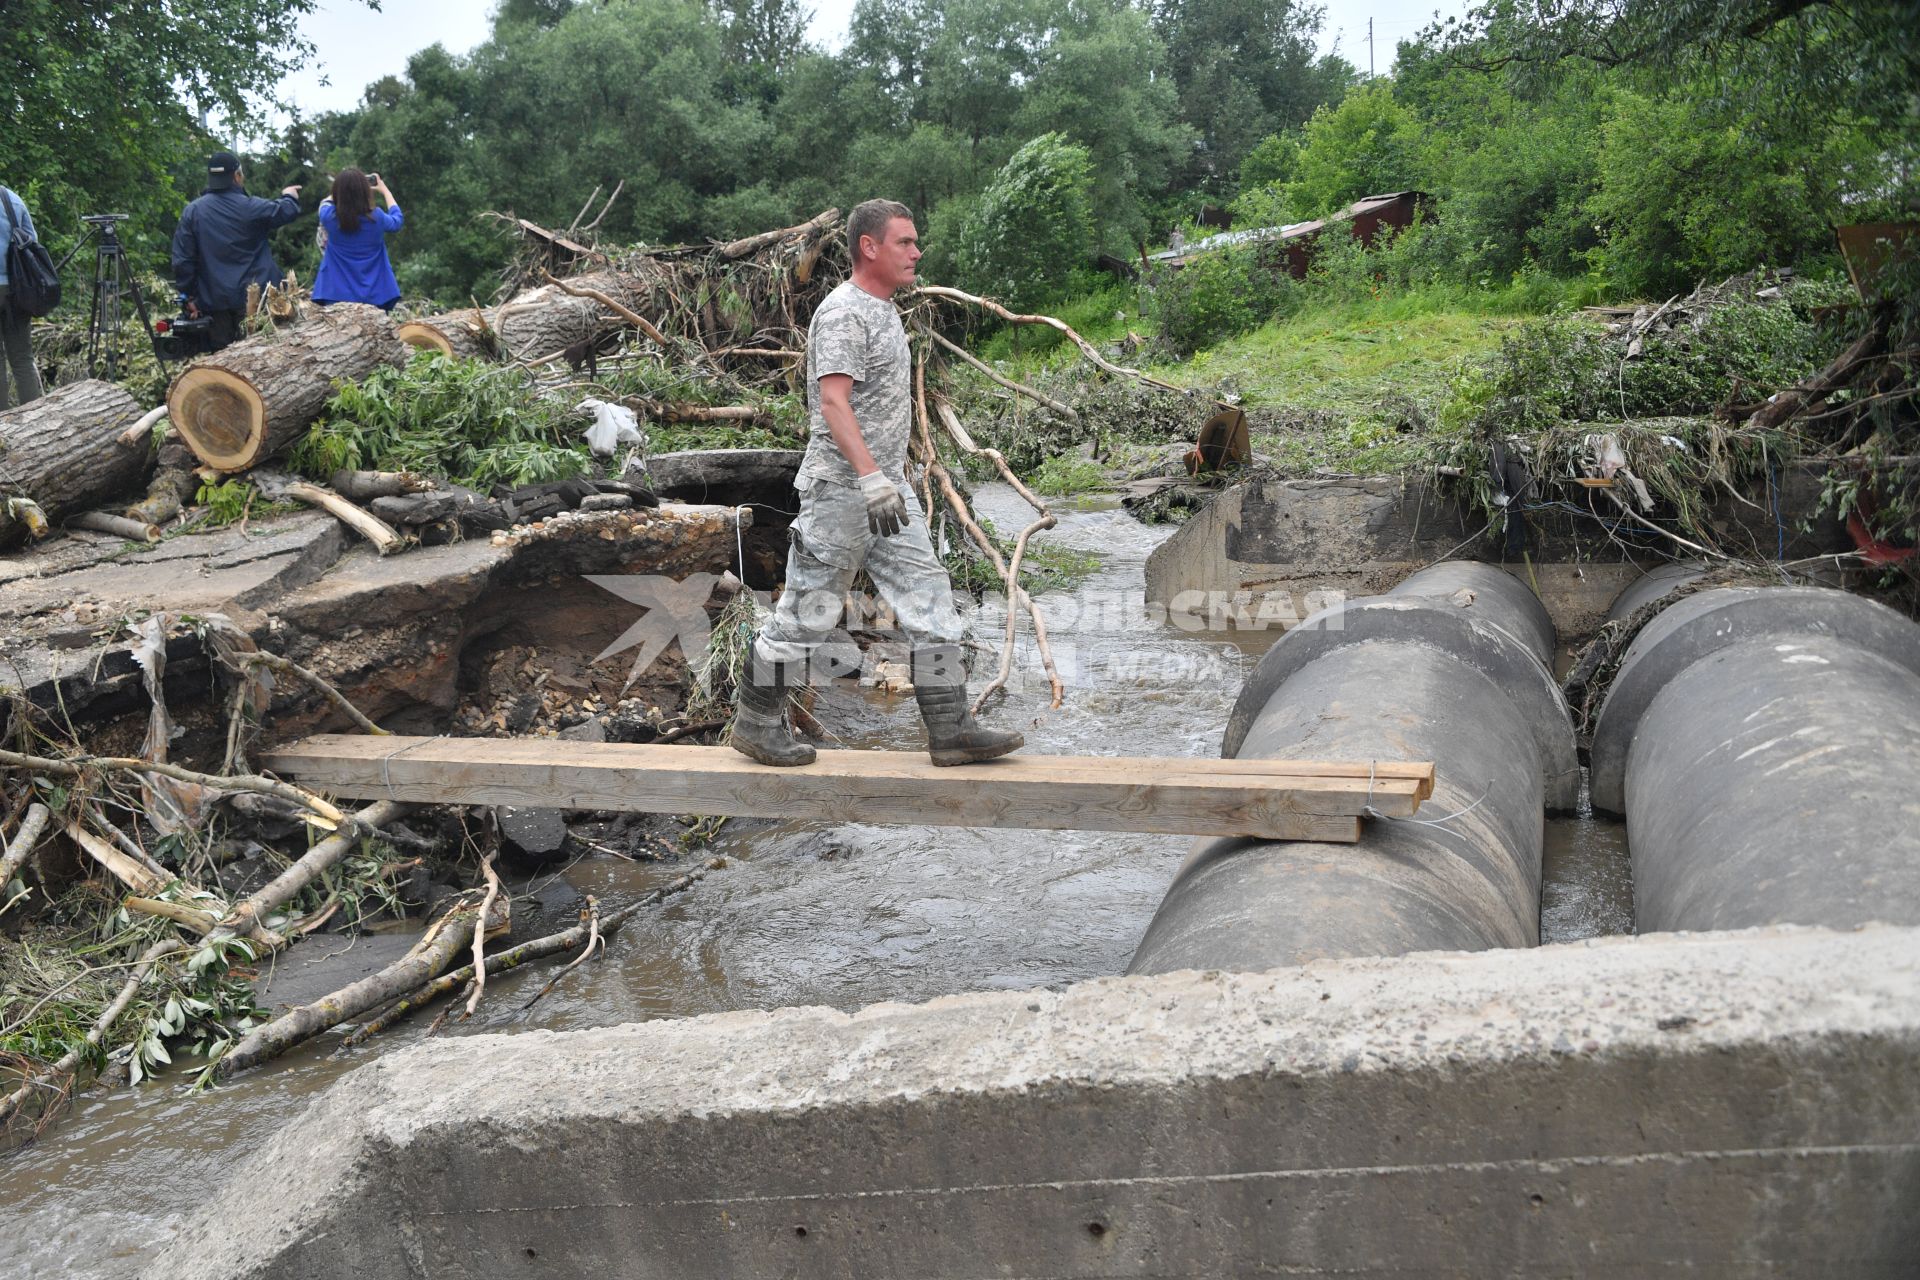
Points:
[[858, 334]]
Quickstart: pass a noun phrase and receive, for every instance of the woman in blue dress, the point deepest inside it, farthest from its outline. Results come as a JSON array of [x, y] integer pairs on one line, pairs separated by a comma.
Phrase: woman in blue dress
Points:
[[353, 264]]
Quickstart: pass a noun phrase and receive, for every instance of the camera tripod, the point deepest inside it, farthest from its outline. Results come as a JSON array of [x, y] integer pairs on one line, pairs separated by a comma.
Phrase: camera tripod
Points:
[[112, 281]]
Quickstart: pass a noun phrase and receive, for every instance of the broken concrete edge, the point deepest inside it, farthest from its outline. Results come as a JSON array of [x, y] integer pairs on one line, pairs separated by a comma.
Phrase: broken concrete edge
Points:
[[1698, 625], [317, 591], [1613, 1079], [1440, 624], [694, 475], [1307, 539]]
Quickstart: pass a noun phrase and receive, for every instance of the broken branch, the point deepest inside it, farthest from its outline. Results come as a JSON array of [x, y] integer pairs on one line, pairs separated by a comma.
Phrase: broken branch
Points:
[[79, 766], [139, 432], [23, 842], [104, 1023], [812, 226], [626, 313], [369, 526], [500, 962], [279, 891], [1086, 348], [594, 943], [1038, 397], [444, 941], [288, 666], [480, 935], [118, 526]]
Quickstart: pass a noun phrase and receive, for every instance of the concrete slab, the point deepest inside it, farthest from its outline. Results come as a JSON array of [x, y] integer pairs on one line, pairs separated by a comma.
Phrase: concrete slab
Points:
[[388, 631], [85, 580], [1722, 1105], [324, 963]]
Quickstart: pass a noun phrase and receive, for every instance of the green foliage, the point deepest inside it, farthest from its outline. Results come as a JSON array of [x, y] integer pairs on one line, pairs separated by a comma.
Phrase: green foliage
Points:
[[1686, 196], [472, 422], [1098, 309], [1034, 224], [1065, 474], [1795, 68], [63, 972], [1271, 163], [226, 501], [1517, 172], [1366, 144], [1045, 567], [103, 104], [1244, 69], [1217, 295], [1570, 369]]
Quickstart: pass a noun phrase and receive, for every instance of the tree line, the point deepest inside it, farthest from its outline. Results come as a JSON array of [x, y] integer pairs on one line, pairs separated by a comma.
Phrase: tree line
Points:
[[1645, 142]]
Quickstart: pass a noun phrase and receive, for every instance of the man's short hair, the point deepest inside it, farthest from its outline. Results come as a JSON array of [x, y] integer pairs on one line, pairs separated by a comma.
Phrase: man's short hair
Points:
[[871, 219]]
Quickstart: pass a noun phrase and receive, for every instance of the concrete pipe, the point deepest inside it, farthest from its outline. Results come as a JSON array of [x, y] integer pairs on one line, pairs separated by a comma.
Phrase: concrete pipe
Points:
[[1492, 594], [1655, 584], [1425, 673], [1763, 743]]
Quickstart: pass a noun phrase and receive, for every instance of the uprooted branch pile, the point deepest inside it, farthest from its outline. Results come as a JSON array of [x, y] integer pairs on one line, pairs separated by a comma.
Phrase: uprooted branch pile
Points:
[[1671, 409]]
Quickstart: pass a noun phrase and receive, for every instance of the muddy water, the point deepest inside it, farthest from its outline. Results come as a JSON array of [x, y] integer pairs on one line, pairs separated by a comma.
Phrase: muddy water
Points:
[[806, 914]]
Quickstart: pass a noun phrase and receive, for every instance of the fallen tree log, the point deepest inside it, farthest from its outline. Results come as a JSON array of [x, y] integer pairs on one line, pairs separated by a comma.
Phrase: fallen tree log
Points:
[[545, 321], [450, 935], [1793, 400], [168, 491], [64, 452], [239, 407], [465, 335]]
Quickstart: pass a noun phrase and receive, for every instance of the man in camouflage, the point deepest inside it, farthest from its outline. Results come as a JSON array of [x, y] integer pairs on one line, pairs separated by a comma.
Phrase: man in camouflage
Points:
[[857, 511]]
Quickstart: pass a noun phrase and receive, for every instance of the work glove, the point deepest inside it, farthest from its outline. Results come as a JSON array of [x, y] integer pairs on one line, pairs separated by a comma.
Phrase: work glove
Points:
[[886, 509]]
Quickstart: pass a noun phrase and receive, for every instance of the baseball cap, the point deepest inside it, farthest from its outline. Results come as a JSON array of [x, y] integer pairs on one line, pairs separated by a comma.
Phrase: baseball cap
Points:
[[220, 167]]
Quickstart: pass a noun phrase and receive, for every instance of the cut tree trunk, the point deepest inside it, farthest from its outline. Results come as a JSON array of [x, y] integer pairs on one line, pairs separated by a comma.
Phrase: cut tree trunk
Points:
[[464, 335], [63, 451], [543, 322], [239, 407]]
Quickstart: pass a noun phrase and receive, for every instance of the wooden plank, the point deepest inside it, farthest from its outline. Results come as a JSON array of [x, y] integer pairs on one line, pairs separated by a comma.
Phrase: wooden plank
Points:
[[1270, 799]]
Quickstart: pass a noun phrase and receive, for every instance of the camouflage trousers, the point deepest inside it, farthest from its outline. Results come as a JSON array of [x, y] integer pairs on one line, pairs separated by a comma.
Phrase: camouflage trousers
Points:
[[830, 544]]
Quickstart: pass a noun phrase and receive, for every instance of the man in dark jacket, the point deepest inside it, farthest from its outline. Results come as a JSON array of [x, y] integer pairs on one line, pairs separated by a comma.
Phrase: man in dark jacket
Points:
[[220, 246]]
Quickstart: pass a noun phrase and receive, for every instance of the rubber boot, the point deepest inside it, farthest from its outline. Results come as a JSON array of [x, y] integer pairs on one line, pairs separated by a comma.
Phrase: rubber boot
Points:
[[953, 735], [759, 717]]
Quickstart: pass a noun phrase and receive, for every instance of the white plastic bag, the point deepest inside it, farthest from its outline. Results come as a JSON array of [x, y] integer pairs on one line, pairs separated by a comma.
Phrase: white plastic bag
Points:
[[613, 426]]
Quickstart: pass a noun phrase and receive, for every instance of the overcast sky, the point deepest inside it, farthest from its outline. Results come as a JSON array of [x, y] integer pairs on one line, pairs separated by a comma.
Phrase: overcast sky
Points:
[[355, 46]]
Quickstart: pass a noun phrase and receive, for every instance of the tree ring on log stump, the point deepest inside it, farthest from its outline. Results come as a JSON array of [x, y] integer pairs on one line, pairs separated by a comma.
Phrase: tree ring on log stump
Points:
[[461, 335], [425, 337], [221, 414]]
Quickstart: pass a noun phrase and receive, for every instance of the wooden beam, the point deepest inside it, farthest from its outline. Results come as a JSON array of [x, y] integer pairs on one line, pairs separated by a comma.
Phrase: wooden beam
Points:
[[1269, 799]]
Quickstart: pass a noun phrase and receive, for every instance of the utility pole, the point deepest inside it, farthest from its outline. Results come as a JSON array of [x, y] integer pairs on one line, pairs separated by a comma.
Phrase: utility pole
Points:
[[1369, 48]]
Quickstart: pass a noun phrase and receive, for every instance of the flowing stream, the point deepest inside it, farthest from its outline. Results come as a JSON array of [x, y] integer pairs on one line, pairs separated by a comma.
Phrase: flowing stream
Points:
[[804, 914]]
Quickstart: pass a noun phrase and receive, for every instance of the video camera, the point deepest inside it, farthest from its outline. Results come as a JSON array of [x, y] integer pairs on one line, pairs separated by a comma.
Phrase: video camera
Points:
[[182, 337]]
